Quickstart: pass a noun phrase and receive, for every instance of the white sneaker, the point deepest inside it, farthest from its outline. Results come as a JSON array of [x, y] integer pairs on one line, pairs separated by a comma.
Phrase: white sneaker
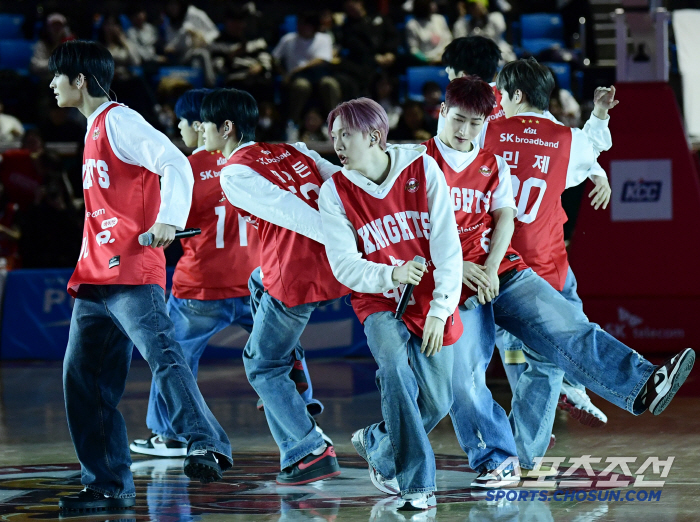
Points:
[[325, 437], [579, 405], [383, 484], [666, 380], [158, 446], [496, 479], [416, 501]]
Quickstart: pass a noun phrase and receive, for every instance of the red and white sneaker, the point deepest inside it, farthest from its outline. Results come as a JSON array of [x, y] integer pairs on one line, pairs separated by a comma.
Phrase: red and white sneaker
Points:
[[580, 407], [311, 468]]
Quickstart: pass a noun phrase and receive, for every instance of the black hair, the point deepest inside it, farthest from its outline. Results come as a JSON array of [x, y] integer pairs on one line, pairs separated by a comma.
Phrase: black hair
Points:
[[189, 104], [533, 79], [431, 86], [311, 18], [91, 59], [474, 56], [231, 104], [422, 9]]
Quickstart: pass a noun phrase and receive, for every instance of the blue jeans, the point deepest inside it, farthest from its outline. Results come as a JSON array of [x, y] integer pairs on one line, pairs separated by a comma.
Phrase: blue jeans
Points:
[[195, 322], [559, 339], [255, 285], [507, 342], [107, 321], [268, 358], [416, 394], [481, 425]]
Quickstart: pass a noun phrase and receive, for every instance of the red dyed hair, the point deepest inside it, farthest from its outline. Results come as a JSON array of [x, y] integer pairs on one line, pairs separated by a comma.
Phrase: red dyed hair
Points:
[[471, 94], [362, 115]]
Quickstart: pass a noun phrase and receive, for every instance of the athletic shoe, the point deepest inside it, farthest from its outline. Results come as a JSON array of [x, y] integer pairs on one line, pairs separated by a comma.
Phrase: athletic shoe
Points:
[[90, 500], [579, 405], [552, 441], [311, 468], [496, 479], [666, 380], [158, 446], [203, 465], [260, 405], [325, 437], [299, 377], [416, 501], [385, 485]]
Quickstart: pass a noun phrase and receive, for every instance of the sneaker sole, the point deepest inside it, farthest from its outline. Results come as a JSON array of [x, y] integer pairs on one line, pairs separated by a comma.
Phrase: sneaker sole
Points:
[[584, 417], [682, 370], [178, 452], [325, 473], [203, 472], [380, 486]]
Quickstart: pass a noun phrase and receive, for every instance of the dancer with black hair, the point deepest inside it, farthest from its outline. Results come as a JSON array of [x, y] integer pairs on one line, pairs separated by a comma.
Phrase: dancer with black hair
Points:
[[119, 285]]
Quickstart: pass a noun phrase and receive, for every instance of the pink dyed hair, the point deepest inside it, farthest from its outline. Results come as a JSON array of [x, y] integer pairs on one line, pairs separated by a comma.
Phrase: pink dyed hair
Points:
[[362, 115]]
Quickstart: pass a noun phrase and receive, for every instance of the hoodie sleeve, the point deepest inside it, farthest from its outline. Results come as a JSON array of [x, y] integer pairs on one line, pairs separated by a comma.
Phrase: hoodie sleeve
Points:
[[347, 263], [445, 247]]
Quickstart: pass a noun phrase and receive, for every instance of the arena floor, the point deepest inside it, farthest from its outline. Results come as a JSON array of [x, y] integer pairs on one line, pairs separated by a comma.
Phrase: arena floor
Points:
[[37, 462]]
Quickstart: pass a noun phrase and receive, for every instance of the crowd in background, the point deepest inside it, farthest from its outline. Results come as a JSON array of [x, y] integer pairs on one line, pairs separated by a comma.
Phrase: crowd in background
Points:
[[299, 59]]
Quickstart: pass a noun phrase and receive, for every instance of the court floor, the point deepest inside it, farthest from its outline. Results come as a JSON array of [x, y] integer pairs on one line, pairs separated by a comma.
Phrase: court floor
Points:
[[38, 464]]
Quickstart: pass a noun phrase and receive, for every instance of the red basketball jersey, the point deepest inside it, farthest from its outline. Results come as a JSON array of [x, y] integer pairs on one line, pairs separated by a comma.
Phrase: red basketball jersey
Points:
[[537, 151], [391, 231], [498, 111], [471, 192], [121, 202], [217, 263], [295, 268]]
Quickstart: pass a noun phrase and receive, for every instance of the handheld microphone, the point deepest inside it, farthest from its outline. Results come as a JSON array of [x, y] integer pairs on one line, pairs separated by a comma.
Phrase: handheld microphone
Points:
[[146, 239], [407, 293]]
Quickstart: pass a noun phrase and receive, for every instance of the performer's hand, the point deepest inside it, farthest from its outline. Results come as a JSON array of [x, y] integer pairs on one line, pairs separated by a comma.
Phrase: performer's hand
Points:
[[604, 100], [491, 292], [163, 235], [409, 273], [473, 275], [433, 332], [600, 195]]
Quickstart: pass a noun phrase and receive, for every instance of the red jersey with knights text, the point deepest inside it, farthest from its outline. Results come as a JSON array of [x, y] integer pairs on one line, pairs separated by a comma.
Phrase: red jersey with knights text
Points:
[[295, 268], [392, 231], [537, 151], [121, 202], [217, 263], [471, 191]]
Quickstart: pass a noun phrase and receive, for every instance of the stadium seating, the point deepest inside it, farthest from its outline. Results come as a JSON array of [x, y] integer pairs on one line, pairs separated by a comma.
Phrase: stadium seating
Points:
[[11, 26], [416, 77], [192, 75], [562, 72], [541, 31], [16, 54]]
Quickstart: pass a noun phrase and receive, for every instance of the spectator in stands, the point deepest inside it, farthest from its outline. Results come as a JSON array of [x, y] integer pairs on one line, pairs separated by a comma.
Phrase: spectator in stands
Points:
[[270, 125], [313, 128], [564, 106], [368, 43], [143, 36], [124, 52], [9, 232], [384, 93], [51, 230], [60, 127], [11, 128], [427, 34], [243, 58], [188, 33], [53, 34], [304, 58], [476, 20], [432, 98], [413, 125]]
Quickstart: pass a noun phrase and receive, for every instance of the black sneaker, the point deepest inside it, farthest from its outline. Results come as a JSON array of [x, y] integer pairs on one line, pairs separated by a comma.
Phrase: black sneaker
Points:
[[158, 446], [666, 380], [203, 465], [299, 377], [90, 500], [311, 468]]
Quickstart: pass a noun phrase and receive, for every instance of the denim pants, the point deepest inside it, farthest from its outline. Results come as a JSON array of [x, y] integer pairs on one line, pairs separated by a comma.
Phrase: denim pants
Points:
[[416, 393], [255, 285], [481, 425], [107, 321], [195, 321], [268, 358], [507, 342], [559, 339]]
